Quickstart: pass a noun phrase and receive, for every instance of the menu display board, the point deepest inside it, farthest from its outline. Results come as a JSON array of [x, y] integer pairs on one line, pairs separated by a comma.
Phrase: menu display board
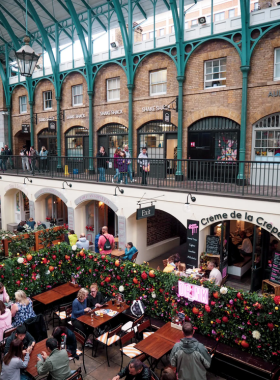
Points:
[[192, 244], [275, 272], [213, 244]]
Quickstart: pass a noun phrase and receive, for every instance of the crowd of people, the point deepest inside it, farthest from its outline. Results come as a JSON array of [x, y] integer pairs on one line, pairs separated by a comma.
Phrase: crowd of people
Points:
[[24, 225], [122, 165], [33, 160]]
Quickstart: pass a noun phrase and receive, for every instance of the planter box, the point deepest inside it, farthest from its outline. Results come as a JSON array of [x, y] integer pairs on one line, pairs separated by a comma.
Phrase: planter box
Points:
[[275, 288]]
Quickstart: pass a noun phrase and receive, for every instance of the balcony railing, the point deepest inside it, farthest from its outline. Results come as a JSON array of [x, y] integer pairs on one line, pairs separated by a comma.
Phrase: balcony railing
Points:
[[245, 178]]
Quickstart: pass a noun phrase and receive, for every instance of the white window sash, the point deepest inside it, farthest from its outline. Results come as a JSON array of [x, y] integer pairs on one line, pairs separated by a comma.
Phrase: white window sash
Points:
[[155, 84], [113, 89], [276, 64], [216, 73], [77, 95], [23, 104]]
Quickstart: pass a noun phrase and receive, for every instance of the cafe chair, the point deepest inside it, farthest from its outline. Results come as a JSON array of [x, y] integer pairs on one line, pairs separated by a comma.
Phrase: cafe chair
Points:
[[129, 350], [165, 263], [81, 338], [6, 334], [134, 257], [132, 325], [144, 326], [77, 375], [153, 375], [63, 313], [108, 338]]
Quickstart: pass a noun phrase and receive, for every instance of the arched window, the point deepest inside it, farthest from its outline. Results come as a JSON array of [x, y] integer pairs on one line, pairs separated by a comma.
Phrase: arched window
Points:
[[159, 138], [266, 138], [111, 136], [77, 142]]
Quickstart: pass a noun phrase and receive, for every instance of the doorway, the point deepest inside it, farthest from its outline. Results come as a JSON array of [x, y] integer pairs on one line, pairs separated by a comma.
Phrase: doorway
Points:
[[56, 209], [48, 139]]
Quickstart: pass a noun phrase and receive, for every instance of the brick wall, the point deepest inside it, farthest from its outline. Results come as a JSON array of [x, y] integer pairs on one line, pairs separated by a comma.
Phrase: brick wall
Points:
[[164, 226]]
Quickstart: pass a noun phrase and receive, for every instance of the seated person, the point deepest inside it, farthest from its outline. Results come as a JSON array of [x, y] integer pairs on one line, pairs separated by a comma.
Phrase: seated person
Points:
[[31, 223], [245, 248], [135, 370], [79, 308], [41, 225], [23, 335], [55, 362], [4, 296], [168, 374], [82, 242], [5, 319], [215, 275], [170, 267], [95, 299], [176, 261], [13, 362], [272, 249], [20, 227], [71, 342], [129, 251], [22, 309]]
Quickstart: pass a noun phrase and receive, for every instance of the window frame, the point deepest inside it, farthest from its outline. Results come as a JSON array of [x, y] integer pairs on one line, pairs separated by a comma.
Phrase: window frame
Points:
[[194, 22], [73, 96], [214, 80], [117, 88], [144, 36], [20, 104], [161, 31], [172, 30], [231, 10], [256, 6], [153, 84], [219, 13], [153, 33], [47, 100], [275, 78]]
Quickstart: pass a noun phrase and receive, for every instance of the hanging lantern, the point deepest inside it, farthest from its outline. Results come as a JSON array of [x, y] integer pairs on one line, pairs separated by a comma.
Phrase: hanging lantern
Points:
[[27, 58]]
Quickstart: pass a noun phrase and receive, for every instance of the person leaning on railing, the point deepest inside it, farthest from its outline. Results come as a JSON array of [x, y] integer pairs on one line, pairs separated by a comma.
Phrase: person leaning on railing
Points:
[[144, 164]]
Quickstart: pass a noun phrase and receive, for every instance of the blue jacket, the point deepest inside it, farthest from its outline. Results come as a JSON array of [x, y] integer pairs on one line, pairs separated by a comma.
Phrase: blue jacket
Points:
[[128, 254], [96, 243], [78, 308]]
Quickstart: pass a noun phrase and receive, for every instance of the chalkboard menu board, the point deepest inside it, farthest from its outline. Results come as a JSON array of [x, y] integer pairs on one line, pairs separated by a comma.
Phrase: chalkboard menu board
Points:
[[213, 244], [191, 259], [275, 272]]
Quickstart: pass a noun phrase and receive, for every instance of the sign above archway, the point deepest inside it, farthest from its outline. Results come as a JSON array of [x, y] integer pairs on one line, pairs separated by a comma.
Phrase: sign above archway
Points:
[[49, 190], [96, 197]]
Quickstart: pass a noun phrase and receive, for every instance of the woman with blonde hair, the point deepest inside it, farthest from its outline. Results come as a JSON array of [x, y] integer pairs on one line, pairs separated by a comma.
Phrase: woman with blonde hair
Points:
[[22, 309], [79, 308]]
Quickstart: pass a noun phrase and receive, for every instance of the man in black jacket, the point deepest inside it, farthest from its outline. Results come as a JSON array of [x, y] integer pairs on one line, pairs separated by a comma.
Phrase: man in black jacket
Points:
[[21, 334], [95, 298], [135, 370]]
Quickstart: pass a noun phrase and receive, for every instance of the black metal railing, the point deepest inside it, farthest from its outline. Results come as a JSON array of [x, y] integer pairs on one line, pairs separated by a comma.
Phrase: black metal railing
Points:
[[255, 178]]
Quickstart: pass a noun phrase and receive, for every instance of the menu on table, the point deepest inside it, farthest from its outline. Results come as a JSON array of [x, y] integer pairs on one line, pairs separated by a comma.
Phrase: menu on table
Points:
[[213, 244], [191, 258], [275, 271]]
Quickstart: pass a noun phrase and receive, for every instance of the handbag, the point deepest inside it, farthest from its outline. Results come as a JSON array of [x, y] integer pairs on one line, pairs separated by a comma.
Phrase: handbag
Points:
[[147, 168]]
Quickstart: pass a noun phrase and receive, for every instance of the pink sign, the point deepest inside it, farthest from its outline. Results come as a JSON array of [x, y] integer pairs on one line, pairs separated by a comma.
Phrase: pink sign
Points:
[[193, 292], [194, 228]]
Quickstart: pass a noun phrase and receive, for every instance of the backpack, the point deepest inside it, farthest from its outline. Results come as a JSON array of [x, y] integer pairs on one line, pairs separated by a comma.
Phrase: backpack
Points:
[[107, 245], [137, 308]]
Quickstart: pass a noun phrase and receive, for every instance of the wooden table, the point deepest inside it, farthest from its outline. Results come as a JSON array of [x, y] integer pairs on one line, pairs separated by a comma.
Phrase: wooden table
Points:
[[98, 321], [38, 348], [170, 333], [155, 346], [117, 253], [48, 297], [66, 289]]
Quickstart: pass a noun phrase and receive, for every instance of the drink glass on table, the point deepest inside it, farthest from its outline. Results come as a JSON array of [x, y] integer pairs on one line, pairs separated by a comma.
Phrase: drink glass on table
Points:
[[118, 304], [113, 301], [91, 316], [101, 313]]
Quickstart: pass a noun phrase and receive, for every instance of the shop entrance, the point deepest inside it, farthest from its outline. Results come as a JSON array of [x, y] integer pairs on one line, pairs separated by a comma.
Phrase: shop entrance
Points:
[[56, 211], [245, 254], [21, 207], [217, 139], [77, 149], [21, 139], [160, 139], [48, 139]]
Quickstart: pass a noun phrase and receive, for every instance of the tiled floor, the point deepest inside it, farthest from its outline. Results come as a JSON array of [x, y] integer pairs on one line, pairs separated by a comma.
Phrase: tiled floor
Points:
[[97, 368]]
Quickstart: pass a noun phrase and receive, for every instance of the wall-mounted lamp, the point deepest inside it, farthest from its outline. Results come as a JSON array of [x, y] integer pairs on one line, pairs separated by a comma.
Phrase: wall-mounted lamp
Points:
[[115, 197], [188, 204], [0, 177], [29, 180], [68, 184]]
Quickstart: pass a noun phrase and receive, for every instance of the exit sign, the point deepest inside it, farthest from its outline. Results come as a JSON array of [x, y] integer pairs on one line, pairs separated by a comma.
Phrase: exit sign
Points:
[[146, 212]]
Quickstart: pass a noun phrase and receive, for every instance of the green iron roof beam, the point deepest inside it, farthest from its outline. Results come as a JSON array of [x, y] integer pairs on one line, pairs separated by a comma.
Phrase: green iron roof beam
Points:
[[29, 14], [167, 5], [79, 30], [141, 10], [97, 18], [66, 9], [10, 31], [19, 23], [51, 17]]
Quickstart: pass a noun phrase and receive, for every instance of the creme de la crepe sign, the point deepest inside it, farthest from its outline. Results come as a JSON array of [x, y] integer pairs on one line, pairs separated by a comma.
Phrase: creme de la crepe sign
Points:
[[193, 292]]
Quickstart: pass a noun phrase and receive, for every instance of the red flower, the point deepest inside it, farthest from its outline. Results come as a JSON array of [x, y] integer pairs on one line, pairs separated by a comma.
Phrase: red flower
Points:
[[225, 319], [270, 326], [259, 346], [276, 300], [213, 303], [218, 321]]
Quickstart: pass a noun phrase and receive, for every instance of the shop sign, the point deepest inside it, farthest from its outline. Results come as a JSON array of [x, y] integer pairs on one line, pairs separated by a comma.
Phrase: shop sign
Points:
[[192, 144], [79, 116], [274, 94], [122, 231], [260, 221], [108, 113], [275, 270], [146, 212], [166, 116], [41, 119], [25, 128], [191, 259], [153, 109], [52, 126], [193, 292]]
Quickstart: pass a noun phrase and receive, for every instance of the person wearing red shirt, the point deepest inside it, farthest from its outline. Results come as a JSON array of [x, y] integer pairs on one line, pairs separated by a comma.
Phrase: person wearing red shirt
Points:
[[105, 241]]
